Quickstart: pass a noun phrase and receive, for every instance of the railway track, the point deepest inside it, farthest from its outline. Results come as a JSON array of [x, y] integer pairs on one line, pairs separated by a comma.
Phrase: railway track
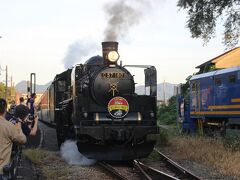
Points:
[[178, 171], [138, 170], [167, 168], [114, 172]]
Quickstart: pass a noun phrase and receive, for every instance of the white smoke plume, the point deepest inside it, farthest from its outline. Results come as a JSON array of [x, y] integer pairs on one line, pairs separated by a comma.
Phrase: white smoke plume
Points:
[[123, 14], [71, 155], [78, 52]]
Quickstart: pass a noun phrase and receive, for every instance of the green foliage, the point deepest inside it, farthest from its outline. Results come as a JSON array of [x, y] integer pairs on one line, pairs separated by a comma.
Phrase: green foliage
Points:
[[2, 90], [209, 67], [163, 137], [185, 88], [232, 141], [167, 114], [10, 90], [203, 16], [153, 157]]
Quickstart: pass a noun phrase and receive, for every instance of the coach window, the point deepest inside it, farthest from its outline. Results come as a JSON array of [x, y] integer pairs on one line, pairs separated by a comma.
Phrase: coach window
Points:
[[232, 78], [218, 81]]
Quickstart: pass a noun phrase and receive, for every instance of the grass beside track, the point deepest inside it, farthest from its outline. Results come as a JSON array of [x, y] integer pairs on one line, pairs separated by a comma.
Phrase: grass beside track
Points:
[[44, 160], [50, 166], [209, 151], [222, 154]]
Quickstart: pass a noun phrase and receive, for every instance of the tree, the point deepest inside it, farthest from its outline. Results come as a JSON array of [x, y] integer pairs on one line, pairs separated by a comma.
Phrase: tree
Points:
[[203, 15], [11, 92], [167, 114], [2, 90]]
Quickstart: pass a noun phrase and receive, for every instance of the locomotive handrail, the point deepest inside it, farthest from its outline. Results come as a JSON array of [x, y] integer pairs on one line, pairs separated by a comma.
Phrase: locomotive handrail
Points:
[[65, 101], [58, 109], [139, 66]]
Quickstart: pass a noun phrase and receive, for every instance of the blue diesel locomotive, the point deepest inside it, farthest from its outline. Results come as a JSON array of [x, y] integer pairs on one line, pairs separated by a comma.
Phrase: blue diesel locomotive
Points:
[[212, 102]]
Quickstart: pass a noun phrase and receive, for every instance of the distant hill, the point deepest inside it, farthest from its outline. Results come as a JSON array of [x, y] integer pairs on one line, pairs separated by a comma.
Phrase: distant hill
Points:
[[22, 87], [169, 90]]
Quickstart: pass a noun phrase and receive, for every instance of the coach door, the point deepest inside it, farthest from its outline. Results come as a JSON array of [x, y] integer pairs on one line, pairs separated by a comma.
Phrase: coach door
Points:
[[51, 101], [195, 96], [198, 96]]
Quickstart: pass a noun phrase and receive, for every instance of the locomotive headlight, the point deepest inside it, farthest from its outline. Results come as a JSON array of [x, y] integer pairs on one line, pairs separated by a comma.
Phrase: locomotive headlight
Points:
[[113, 56]]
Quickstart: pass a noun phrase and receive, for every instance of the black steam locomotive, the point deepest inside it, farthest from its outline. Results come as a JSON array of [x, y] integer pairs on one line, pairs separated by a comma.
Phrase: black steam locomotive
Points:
[[95, 103]]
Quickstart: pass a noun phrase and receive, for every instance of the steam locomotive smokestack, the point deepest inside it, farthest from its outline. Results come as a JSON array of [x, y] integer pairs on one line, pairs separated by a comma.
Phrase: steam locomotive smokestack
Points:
[[108, 46]]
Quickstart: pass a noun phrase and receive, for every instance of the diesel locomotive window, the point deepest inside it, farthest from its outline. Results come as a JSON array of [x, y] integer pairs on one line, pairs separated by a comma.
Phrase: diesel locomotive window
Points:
[[61, 86], [232, 78], [218, 81]]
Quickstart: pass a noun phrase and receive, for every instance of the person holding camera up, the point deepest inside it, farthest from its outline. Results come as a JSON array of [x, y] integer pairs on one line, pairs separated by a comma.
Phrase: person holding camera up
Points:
[[9, 134], [29, 125]]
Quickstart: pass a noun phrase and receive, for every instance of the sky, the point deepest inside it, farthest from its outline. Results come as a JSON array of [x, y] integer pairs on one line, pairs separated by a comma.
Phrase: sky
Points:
[[37, 36]]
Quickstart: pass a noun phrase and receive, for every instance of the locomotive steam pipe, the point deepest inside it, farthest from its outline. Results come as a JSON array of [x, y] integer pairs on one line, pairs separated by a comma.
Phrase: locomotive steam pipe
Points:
[[32, 83]]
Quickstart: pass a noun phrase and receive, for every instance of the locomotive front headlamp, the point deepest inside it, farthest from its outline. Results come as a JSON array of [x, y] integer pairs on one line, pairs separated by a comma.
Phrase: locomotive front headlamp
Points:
[[113, 56]]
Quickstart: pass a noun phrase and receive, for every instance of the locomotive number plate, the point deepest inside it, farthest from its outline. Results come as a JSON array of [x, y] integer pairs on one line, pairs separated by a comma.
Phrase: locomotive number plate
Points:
[[113, 75]]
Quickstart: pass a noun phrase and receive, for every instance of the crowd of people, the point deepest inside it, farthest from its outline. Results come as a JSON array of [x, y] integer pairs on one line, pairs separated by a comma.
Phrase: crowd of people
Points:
[[16, 125]]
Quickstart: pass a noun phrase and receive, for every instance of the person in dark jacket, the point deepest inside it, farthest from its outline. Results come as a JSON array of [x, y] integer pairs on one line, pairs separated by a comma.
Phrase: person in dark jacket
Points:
[[21, 114], [31, 104]]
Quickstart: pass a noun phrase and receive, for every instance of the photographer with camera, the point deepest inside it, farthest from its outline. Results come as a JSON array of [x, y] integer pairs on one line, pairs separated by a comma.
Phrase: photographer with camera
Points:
[[29, 123], [9, 134]]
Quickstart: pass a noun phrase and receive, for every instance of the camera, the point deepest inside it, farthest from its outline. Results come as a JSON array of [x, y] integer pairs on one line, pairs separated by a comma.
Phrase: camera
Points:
[[31, 117], [13, 120]]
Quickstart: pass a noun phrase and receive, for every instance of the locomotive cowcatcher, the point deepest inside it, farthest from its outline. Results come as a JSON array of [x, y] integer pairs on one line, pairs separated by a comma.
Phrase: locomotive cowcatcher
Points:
[[95, 104]]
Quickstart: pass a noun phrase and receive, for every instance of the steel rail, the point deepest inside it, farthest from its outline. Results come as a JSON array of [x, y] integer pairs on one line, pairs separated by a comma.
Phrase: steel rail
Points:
[[186, 174], [136, 163], [157, 173], [113, 171]]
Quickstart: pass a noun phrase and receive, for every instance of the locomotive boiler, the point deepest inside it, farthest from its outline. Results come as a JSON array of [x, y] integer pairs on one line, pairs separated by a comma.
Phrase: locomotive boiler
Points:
[[95, 103]]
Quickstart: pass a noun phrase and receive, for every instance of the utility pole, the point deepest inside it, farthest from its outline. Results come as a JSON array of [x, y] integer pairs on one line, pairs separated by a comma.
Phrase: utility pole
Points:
[[11, 89], [6, 81], [6, 77], [6, 90]]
